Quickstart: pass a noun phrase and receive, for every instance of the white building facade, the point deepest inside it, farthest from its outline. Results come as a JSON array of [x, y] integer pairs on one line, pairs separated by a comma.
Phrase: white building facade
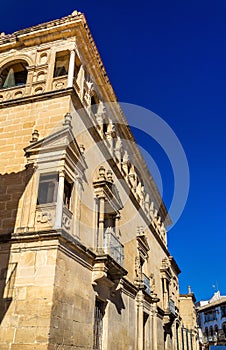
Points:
[[212, 321]]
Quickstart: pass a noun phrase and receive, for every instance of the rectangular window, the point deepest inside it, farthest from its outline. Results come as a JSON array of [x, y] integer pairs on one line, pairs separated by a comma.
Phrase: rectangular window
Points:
[[210, 316], [61, 64], [223, 311], [145, 331], [47, 191], [98, 324], [67, 193]]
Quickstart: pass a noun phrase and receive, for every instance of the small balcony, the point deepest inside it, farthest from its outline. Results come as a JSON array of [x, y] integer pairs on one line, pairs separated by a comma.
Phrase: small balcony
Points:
[[146, 281], [172, 308], [108, 266], [113, 246]]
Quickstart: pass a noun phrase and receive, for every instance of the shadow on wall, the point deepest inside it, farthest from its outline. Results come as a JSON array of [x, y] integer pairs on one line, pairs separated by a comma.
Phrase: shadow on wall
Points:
[[12, 187], [115, 298]]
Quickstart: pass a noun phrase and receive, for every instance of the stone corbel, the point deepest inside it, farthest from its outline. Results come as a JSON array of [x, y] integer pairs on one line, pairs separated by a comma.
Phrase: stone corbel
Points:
[[99, 275], [117, 287]]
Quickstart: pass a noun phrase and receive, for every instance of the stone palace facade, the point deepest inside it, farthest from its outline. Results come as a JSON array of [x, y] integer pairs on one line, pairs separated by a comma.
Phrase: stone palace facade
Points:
[[84, 262]]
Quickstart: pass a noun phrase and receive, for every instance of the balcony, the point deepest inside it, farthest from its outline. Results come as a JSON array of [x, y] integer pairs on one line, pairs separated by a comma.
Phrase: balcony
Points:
[[113, 247], [108, 266], [172, 308], [146, 281]]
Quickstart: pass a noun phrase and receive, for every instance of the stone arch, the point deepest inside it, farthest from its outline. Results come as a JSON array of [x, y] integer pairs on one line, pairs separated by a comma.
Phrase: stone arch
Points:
[[41, 75], [22, 57], [14, 73]]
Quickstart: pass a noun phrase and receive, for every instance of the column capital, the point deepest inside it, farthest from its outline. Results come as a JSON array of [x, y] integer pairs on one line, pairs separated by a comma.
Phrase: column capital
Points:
[[62, 173]]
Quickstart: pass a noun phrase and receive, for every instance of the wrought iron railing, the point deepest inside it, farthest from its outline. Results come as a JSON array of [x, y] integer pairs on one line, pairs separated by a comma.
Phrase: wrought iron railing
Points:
[[146, 281], [113, 246], [172, 307]]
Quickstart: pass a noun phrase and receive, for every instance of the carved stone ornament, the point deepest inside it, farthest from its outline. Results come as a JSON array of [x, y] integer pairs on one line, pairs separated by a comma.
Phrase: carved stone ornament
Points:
[[44, 217]]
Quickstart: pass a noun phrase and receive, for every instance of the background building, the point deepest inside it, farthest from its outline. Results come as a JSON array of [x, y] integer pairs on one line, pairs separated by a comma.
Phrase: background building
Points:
[[212, 320], [84, 258]]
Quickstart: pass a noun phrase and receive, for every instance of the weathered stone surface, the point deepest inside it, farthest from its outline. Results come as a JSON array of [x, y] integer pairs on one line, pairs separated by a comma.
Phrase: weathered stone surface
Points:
[[83, 260]]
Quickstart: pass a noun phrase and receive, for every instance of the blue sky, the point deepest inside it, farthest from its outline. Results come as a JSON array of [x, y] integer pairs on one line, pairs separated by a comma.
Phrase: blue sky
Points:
[[169, 57]]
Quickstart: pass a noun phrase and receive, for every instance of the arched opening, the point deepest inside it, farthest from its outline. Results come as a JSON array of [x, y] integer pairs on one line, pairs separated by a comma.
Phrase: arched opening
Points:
[[211, 331], [224, 328], [14, 74], [216, 331], [94, 103]]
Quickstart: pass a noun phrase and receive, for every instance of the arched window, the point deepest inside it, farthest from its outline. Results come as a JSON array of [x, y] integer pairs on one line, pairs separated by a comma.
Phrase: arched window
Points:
[[94, 103], [224, 328], [206, 331], [14, 74], [211, 331]]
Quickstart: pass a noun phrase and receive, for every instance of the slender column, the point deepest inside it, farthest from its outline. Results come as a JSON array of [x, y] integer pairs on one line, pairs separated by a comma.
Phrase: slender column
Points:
[[59, 205], [30, 74], [140, 320], [117, 225], [154, 328], [77, 206], [166, 296], [71, 68], [182, 338], [80, 81], [101, 225], [96, 222]]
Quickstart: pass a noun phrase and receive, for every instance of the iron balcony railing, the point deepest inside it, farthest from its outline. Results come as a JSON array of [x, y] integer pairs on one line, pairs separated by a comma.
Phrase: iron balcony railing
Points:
[[172, 307], [146, 281], [113, 246]]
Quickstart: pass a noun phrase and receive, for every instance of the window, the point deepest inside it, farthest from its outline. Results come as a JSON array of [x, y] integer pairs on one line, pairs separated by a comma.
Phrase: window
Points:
[[223, 311], [210, 316], [224, 328], [61, 63], [47, 191], [98, 324], [145, 331], [177, 336], [94, 104], [211, 331], [14, 75], [67, 193]]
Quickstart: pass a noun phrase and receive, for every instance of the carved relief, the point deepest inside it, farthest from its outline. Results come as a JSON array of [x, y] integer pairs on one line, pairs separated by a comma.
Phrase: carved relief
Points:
[[59, 83], [39, 90], [66, 222], [18, 94], [43, 58], [41, 76], [44, 217]]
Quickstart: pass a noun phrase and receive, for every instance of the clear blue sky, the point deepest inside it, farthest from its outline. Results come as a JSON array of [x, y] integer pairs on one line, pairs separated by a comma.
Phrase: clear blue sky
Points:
[[169, 57]]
